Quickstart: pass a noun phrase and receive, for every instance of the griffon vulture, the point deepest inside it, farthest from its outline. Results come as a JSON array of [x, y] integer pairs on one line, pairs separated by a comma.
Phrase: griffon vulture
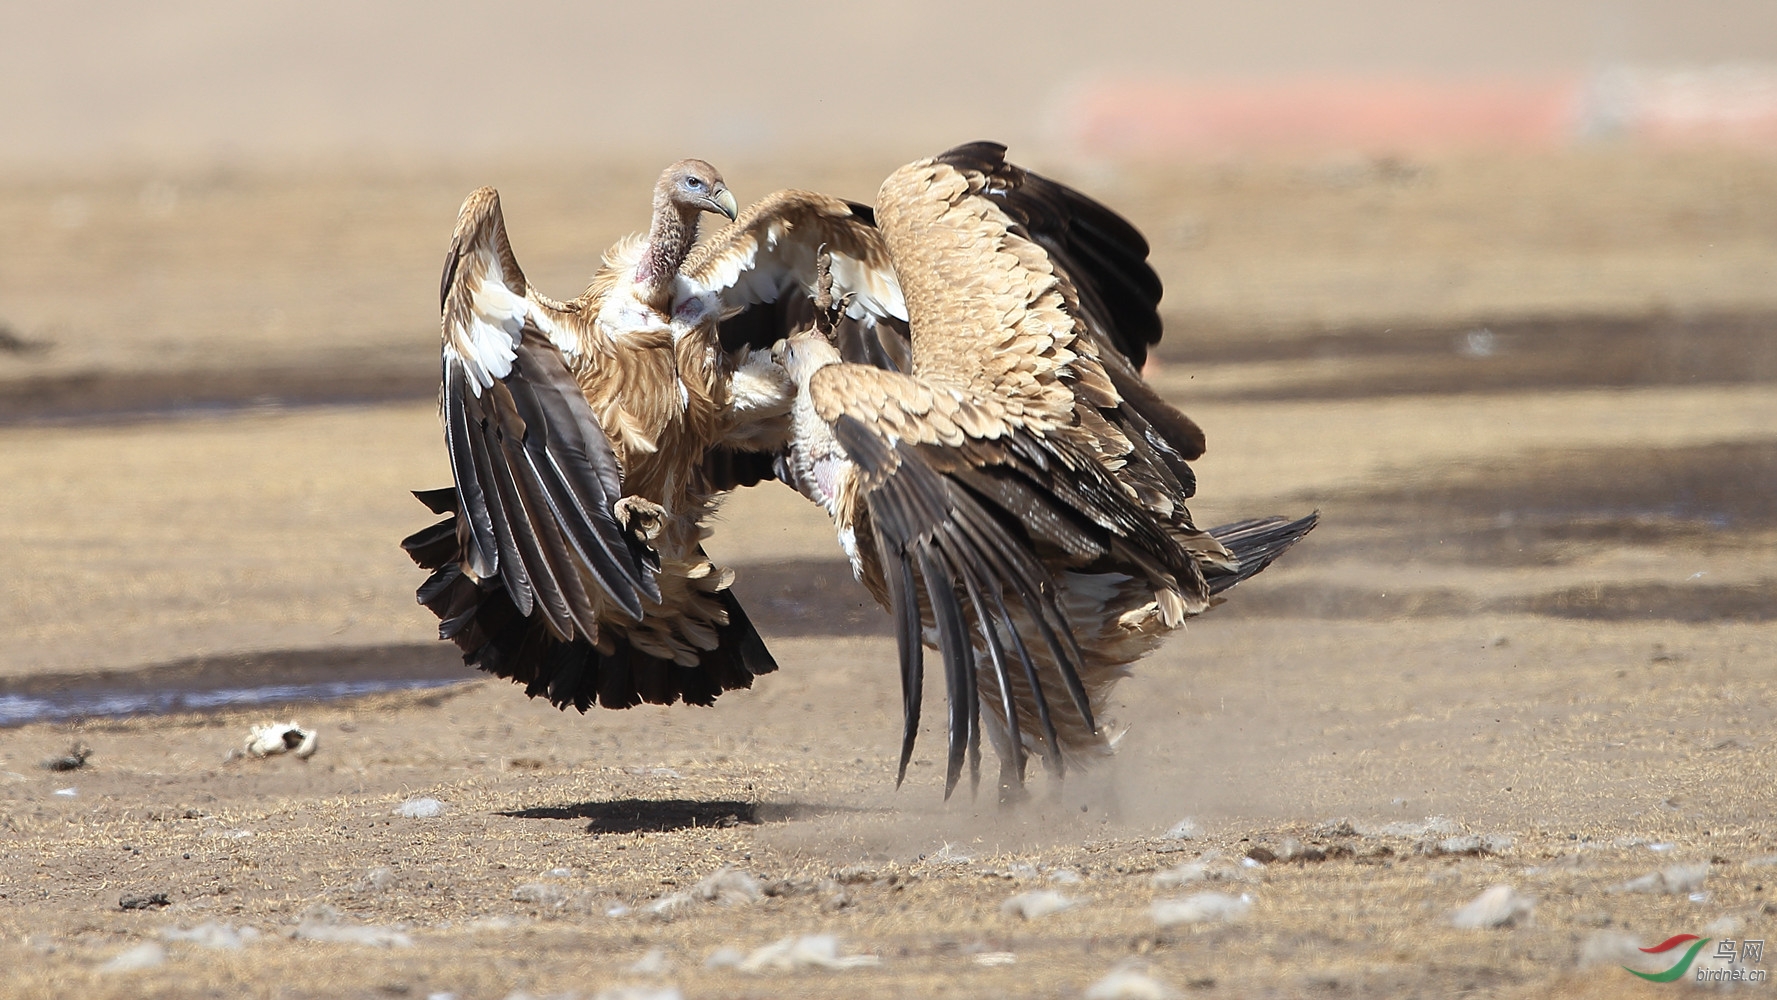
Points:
[[570, 561], [1011, 490], [589, 440]]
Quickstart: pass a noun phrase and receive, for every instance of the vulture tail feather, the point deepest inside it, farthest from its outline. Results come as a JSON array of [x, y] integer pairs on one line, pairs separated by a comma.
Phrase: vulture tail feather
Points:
[[1255, 544]]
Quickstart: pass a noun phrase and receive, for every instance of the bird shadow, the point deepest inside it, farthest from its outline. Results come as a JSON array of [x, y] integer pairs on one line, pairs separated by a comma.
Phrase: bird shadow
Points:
[[668, 815]]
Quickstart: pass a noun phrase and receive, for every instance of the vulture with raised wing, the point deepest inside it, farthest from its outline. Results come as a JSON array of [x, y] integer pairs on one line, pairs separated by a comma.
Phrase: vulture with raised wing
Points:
[[1012, 491], [953, 375], [570, 560]]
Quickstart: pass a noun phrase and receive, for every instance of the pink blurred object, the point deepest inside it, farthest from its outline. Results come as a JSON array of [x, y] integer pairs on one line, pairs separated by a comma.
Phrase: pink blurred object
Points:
[[1160, 116]]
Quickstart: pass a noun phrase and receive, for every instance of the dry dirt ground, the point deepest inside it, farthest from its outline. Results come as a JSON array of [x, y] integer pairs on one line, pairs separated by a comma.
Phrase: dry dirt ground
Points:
[[1531, 645]]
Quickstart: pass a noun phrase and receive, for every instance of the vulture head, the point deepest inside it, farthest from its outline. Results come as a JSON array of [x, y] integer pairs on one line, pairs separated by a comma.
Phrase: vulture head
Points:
[[804, 353], [693, 186]]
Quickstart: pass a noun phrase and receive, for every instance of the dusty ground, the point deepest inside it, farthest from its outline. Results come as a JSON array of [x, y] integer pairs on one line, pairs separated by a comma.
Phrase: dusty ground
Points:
[[1535, 401]]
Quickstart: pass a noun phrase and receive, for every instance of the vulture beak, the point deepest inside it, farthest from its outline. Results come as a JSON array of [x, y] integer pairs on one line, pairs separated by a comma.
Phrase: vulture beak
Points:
[[725, 203]]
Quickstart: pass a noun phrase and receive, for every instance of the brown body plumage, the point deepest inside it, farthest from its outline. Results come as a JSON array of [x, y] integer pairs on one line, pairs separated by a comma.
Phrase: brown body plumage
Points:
[[571, 561], [1016, 493]]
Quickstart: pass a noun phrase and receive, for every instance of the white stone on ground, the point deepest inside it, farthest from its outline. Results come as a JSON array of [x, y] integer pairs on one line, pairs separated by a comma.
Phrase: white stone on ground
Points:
[[1200, 908], [729, 886], [1037, 904], [323, 923], [811, 951], [1129, 984], [271, 738], [640, 993], [1468, 843], [1676, 880], [1499, 906], [670, 907], [424, 807], [376, 880], [1184, 829]]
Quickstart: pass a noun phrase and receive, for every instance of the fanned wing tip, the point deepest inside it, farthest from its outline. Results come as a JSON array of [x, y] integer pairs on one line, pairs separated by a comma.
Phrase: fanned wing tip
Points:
[[439, 501], [1104, 254], [1255, 543]]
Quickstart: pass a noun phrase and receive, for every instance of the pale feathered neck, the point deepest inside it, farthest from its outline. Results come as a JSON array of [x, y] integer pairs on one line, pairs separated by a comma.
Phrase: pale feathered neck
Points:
[[669, 240]]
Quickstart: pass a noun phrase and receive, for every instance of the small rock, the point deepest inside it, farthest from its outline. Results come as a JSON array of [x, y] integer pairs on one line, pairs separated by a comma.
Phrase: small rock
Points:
[[1037, 904], [142, 956], [640, 993], [67, 793], [538, 894], [424, 807], [812, 951], [1184, 829], [146, 902], [73, 760], [654, 963], [380, 879], [992, 959], [1678, 880], [271, 738], [728, 886], [1129, 984], [1499, 906], [671, 907], [324, 923], [1200, 908], [1465, 844]]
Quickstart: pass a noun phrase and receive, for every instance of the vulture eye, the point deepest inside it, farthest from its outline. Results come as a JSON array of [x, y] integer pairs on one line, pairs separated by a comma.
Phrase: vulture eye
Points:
[[694, 183]]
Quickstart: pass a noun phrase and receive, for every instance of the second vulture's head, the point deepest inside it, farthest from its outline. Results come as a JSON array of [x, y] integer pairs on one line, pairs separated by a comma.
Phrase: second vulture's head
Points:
[[693, 186]]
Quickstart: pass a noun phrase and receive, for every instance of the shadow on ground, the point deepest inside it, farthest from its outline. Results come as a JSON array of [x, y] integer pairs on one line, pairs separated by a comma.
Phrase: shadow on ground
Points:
[[667, 815]]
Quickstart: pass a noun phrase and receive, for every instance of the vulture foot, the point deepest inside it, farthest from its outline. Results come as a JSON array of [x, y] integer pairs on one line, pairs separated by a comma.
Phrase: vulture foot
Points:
[[642, 519]]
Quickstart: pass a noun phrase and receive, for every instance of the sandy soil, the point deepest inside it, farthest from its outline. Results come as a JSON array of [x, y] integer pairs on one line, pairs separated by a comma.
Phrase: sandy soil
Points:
[[1537, 614]]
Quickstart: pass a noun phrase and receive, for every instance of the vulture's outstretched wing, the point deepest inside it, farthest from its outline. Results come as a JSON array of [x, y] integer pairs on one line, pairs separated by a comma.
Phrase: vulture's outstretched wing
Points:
[[535, 474], [1115, 293], [1104, 254], [545, 571], [979, 476], [760, 272]]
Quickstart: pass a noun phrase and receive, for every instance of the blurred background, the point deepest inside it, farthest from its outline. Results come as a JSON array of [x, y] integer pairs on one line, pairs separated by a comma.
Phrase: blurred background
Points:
[[1458, 233]]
